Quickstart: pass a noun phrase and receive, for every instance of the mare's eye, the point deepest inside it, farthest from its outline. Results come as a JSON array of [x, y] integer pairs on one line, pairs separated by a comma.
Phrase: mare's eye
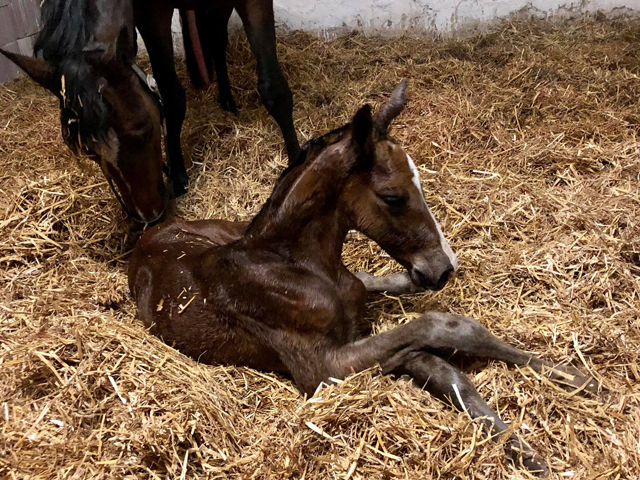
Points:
[[394, 201]]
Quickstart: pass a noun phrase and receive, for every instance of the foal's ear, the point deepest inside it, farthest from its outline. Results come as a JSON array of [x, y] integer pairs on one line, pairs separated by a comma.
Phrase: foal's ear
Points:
[[37, 68], [362, 131], [393, 107]]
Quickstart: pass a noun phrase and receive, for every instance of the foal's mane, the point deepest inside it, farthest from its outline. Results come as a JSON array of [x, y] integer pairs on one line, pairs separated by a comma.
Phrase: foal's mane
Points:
[[68, 26], [308, 153]]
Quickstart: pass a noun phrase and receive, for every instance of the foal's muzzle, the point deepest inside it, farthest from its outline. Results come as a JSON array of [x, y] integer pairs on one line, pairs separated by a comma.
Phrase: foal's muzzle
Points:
[[432, 279]]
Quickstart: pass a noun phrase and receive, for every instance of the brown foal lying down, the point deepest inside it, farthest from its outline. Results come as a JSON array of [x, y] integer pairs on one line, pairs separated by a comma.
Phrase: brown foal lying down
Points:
[[274, 295]]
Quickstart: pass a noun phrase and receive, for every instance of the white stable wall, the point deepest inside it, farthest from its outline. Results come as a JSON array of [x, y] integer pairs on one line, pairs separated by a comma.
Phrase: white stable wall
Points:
[[439, 17], [329, 18], [434, 16]]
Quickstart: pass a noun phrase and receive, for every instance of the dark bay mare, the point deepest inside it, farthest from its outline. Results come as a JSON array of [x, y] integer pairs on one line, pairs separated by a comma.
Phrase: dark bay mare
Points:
[[86, 58], [108, 108], [153, 20], [274, 294]]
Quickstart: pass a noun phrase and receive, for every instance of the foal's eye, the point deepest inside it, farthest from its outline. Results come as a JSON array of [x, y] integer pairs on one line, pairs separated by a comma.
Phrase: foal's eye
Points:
[[394, 201]]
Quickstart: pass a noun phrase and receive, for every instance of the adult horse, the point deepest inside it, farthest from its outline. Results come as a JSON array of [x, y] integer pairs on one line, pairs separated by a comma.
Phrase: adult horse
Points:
[[86, 52], [108, 109], [274, 294], [153, 20]]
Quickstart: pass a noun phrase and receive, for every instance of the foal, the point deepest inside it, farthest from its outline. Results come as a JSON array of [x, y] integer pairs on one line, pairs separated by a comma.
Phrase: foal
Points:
[[275, 295]]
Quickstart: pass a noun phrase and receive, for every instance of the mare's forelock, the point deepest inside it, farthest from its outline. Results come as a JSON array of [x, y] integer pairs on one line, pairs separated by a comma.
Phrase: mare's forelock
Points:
[[68, 27]]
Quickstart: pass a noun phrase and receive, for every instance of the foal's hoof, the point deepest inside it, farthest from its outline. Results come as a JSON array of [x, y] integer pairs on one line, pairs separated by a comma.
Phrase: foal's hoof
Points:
[[572, 378], [530, 460]]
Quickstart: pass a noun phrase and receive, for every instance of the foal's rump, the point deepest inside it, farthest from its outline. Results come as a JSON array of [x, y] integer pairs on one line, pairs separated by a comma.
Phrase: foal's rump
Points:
[[173, 240], [185, 308]]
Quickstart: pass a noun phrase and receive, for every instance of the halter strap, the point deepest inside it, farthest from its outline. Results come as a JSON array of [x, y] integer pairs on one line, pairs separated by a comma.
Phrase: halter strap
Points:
[[151, 86]]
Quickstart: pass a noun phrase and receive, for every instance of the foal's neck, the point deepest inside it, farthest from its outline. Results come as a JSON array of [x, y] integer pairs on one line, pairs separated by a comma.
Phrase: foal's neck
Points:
[[302, 220]]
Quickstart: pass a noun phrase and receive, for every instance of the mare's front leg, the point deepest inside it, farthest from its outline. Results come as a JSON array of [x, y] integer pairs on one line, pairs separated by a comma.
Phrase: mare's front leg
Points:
[[258, 21], [154, 22]]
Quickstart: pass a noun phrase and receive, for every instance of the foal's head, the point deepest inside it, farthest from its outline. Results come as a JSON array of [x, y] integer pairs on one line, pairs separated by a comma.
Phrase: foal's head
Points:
[[107, 113], [383, 195]]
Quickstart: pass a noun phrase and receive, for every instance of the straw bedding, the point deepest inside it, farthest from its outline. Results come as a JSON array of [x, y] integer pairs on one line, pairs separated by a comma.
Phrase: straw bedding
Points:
[[527, 141]]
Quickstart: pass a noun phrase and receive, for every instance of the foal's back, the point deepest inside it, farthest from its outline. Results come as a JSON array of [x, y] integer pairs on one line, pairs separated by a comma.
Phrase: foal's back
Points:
[[200, 289]]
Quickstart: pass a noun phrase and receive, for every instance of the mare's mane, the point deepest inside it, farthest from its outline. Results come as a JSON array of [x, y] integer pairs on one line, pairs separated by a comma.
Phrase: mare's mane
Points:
[[68, 26]]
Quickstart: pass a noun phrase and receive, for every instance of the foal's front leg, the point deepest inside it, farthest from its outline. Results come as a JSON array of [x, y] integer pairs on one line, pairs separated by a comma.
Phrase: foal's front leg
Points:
[[395, 284], [404, 351], [455, 333], [467, 336]]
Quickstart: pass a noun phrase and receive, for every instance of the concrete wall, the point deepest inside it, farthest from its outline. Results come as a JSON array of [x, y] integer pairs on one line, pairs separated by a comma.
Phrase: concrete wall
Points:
[[19, 22], [441, 17], [435, 16]]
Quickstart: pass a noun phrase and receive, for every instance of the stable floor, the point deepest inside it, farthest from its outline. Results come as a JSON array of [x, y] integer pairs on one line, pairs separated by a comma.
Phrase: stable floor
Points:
[[527, 140]]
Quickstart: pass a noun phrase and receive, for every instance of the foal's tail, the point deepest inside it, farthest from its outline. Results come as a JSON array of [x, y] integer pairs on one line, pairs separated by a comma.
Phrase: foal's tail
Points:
[[193, 51]]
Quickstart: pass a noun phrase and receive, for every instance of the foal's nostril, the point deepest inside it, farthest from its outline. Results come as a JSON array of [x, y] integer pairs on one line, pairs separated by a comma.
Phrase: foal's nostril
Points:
[[444, 278]]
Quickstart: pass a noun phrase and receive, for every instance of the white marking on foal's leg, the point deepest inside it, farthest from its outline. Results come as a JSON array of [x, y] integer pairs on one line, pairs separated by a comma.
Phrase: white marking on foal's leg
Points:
[[443, 241]]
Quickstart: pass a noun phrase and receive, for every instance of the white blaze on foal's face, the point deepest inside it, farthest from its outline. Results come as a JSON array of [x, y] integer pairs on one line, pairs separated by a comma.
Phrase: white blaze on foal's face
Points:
[[443, 241]]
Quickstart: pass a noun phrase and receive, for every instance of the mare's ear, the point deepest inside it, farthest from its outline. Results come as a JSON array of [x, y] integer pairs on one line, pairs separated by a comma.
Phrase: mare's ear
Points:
[[37, 68], [362, 134]]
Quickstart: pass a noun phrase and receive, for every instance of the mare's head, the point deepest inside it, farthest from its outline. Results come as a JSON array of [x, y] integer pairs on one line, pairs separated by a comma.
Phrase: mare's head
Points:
[[365, 175], [108, 114]]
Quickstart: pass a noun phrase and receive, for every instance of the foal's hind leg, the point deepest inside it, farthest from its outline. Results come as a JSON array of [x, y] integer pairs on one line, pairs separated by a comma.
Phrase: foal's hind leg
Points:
[[450, 385], [258, 21]]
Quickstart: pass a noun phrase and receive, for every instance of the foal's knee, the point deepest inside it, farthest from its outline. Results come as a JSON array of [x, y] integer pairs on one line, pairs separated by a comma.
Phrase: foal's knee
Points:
[[453, 331]]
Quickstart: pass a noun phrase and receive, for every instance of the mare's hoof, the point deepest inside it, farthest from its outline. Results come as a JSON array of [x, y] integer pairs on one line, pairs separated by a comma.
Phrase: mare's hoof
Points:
[[572, 378], [228, 104], [179, 190], [179, 185]]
